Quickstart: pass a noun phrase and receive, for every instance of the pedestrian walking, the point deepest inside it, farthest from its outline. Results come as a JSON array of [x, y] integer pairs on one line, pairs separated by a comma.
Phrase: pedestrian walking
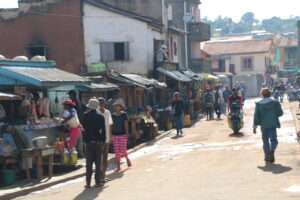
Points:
[[222, 100], [120, 133], [79, 110], [72, 122], [267, 113], [226, 94], [178, 112], [217, 104], [95, 135], [209, 103], [108, 127]]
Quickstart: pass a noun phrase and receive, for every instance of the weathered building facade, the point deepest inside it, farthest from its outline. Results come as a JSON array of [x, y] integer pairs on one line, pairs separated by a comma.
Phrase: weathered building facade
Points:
[[121, 39], [185, 14], [52, 28], [241, 57]]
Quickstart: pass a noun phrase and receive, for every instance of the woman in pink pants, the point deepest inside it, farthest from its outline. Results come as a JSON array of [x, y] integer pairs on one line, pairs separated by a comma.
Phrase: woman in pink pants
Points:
[[72, 121]]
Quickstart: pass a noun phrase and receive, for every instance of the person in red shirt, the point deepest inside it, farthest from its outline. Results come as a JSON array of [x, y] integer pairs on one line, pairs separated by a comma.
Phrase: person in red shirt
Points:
[[235, 98]]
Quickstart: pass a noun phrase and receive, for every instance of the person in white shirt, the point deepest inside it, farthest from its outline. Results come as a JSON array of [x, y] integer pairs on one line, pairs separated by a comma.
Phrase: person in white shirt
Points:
[[108, 126]]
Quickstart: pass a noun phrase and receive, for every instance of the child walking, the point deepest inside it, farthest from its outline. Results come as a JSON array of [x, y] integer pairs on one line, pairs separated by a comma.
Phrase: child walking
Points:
[[120, 133]]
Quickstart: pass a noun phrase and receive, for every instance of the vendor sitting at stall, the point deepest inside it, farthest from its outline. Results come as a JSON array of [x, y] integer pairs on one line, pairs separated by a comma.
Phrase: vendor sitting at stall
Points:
[[16, 138], [72, 122], [148, 126]]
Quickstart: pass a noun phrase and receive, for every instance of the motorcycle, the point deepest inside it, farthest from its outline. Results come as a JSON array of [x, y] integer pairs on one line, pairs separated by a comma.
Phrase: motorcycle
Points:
[[235, 118]]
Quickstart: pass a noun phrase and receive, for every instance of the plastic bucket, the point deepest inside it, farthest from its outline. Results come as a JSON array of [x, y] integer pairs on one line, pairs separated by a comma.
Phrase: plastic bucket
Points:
[[8, 177]]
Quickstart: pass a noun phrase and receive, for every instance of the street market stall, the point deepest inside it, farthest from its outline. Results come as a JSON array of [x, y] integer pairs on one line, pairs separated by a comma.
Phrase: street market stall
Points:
[[32, 85], [144, 92]]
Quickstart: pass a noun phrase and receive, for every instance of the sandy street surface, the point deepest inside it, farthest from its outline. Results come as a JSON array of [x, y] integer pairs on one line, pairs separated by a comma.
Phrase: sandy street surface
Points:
[[206, 164]]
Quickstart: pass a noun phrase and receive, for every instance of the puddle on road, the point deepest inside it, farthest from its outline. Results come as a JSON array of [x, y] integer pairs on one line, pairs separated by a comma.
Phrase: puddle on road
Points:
[[294, 188]]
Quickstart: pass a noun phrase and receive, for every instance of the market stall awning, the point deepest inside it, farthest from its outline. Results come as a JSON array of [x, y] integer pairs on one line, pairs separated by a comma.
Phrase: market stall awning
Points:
[[39, 76], [193, 75], [143, 80], [177, 75], [97, 87], [224, 78], [9, 97], [210, 77]]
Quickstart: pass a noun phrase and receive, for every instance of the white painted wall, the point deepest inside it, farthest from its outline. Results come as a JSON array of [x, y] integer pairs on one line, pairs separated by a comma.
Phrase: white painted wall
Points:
[[258, 63], [258, 59], [101, 25]]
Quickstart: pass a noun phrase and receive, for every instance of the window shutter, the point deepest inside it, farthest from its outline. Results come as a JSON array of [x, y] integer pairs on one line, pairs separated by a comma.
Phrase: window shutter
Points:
[[107, 52], [126, 51]]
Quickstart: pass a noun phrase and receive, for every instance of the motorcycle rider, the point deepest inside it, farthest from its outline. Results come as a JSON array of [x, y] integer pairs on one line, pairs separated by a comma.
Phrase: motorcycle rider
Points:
[[235, 98]]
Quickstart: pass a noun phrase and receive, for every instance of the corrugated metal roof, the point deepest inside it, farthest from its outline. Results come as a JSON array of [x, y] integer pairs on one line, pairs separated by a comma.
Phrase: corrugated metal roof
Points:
[[101, 87], [143, 80], [43, 76], [193, 75], [139, 79], [238, 47], [177, 75]]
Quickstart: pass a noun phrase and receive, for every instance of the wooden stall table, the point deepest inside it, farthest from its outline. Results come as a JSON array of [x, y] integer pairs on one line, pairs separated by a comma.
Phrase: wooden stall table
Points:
[[39, 153]]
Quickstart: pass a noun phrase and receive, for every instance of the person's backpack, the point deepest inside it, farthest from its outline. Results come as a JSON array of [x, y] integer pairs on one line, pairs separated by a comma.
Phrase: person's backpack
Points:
[[209, 98]]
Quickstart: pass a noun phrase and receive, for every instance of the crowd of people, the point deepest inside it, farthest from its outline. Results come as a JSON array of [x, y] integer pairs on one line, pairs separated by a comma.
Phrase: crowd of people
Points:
[[218, 100], [102, 123]]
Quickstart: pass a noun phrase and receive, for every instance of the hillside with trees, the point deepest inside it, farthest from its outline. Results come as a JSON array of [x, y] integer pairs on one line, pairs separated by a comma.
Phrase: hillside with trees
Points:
[[223, 26]]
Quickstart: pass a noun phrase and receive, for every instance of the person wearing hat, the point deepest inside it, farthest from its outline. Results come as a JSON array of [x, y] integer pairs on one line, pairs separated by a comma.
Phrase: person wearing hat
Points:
[[71, 121], [266, 115], [79, 109], [120, 133], [108, 127], [116, 96], [95, 135]]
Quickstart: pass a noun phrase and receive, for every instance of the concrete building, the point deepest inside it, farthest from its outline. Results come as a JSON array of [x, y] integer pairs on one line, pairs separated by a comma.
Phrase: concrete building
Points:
[[122, 40], [51, 28], [185, 14], [241, 57]]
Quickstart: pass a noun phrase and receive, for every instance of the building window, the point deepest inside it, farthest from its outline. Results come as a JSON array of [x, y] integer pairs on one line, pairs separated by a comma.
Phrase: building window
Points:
[[247, 63], [36, 50], [114, 51]]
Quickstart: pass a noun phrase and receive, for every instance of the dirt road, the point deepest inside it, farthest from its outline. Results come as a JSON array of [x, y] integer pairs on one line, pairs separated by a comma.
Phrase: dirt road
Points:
[[207, 163]]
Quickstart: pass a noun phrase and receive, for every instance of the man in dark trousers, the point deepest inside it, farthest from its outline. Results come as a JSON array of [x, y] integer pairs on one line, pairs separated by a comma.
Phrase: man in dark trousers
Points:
[[95, 136]]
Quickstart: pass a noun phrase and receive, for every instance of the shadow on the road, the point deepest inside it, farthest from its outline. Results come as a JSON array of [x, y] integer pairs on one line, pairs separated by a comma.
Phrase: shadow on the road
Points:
[[237, 135], [177, 137], [116, 175], [275, 168], [89, 194]]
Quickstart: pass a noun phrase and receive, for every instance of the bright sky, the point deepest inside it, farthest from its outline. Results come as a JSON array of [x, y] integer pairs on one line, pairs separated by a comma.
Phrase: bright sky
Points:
[[231, 8], [263, 9], [8, 3]]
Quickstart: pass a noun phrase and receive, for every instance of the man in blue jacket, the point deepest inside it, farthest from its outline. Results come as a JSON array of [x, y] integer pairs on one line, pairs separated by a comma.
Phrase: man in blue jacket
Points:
[[267, 113]]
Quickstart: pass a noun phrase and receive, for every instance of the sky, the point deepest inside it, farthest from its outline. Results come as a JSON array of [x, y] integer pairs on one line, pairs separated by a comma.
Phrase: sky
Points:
[[263, 9], [8, 3]]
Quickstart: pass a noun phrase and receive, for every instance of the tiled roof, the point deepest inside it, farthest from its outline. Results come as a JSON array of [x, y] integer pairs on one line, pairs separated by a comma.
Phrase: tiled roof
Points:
[[238, 47]]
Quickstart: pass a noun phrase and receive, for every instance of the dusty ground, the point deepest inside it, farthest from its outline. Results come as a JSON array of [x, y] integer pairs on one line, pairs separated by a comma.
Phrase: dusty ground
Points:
[[207, 163]]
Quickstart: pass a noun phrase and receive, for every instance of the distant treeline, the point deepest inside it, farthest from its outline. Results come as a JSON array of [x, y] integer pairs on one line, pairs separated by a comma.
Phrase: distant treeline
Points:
[[226, 26]]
